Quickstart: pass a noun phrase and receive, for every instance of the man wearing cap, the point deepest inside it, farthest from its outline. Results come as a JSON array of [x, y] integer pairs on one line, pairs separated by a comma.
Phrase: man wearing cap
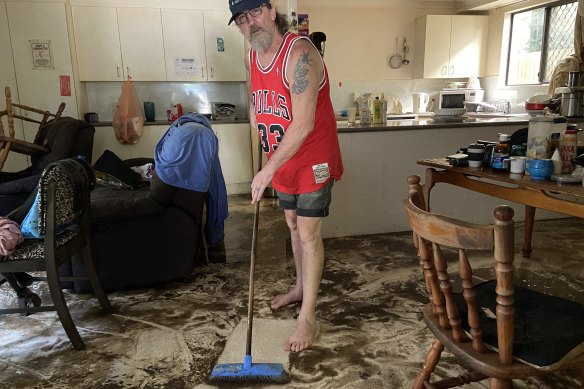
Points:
[[291, 108]]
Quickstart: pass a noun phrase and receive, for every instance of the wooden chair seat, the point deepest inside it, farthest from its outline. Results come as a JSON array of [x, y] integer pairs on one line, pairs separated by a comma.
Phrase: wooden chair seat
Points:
[[498, 330]]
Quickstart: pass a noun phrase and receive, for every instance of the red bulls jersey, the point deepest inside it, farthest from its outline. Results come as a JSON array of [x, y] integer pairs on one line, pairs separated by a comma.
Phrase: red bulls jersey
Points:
[[319, 158]]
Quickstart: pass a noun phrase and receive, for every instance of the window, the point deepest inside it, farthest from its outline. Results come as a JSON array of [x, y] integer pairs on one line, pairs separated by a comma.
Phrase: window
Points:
[[540, 39]]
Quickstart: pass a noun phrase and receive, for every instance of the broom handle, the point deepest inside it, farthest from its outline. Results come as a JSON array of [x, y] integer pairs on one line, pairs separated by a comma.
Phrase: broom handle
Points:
[[254, 241]]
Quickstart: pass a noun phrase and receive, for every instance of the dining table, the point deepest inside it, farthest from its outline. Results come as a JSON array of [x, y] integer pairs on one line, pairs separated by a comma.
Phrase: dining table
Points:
[[551, 195]]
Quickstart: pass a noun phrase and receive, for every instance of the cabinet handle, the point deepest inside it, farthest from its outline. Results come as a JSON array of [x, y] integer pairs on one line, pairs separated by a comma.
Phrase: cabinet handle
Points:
[[212, 73], [451, 70], [118, 71], [444, 70], [202, 72], [127, 71]]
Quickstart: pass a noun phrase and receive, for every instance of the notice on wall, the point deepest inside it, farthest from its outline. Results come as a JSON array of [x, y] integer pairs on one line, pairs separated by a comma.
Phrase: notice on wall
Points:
[[303, 24], [42, 58], [184, 66]]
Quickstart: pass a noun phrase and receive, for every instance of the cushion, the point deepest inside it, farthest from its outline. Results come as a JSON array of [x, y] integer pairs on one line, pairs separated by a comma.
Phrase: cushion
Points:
[[548, 329], [34, 248], [111, 164]]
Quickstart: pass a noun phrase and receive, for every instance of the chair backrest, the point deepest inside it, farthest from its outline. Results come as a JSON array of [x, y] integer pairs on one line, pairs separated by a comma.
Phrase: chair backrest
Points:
[[69, 183], [432, 233]]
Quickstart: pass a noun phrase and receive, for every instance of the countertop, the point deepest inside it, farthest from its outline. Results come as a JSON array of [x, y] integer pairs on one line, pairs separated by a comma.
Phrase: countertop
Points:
[[168, 123]]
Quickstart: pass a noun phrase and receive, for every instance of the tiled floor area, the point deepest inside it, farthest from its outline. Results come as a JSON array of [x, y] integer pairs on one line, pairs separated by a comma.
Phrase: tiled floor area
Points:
[[372, 335]]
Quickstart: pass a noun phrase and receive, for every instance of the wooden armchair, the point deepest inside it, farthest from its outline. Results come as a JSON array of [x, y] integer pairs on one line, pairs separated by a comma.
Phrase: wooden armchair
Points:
[[496, 329], [9, 142]]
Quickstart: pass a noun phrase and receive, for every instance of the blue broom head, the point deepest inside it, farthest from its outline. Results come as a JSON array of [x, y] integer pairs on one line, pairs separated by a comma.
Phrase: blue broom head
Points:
[[250, 372]]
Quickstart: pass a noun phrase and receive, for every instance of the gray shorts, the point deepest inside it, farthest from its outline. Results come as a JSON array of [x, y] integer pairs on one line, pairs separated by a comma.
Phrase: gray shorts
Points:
[[312, 204]]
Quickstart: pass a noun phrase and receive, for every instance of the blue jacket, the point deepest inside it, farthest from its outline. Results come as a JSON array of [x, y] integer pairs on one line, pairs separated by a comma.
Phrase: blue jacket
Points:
[[187, 156]]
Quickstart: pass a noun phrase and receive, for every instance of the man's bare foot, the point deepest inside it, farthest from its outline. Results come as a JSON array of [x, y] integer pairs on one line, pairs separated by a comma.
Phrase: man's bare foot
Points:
[[303, 337], [281, 300]]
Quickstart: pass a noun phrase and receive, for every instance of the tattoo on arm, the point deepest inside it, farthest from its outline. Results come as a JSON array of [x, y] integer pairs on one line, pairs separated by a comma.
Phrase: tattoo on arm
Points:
[[300, 83]]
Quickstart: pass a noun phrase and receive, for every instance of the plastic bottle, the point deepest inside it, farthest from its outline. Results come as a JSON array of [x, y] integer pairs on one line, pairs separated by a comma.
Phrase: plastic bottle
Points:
[[502, 153], [365, 114], [377, 107], [568, 146], [383, 109]]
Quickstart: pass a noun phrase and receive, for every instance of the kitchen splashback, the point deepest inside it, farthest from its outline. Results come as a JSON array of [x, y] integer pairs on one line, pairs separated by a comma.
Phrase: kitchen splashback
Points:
[[194, 97]]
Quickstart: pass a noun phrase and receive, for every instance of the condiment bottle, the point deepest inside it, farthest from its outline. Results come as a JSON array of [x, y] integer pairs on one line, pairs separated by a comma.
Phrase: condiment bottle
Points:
[[502, 153], [568, 146], [377, 108]]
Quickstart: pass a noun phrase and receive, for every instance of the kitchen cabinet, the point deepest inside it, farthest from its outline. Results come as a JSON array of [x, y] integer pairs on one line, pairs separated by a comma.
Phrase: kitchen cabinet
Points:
[[184, 45], [235, 156], [450, 46], [114, 43], [224, 48], [234, 150]]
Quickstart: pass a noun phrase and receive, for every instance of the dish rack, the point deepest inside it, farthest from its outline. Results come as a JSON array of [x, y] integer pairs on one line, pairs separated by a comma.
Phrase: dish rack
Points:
[[499, 106]]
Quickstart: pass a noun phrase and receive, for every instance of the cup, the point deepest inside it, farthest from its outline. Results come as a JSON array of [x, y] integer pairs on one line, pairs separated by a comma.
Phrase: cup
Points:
[[149, 111], [517, 164], [351, 116], [476, 154], [539, 169]]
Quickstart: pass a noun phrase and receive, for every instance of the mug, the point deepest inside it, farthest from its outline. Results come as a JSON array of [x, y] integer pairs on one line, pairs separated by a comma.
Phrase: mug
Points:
[[539, 169], [476, 154], [420, 102]]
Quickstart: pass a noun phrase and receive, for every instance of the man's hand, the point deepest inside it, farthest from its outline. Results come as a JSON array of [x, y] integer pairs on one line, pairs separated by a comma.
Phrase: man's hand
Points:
[[260, 183]]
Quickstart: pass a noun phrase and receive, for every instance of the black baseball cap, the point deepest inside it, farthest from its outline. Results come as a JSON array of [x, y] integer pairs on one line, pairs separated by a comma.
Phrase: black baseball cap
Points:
[[238, 6]]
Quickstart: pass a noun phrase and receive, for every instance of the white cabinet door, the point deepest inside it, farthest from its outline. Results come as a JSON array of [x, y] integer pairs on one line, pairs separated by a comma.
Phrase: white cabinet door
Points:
[[235, 156], [15, 161], [184, 45], [141, 43], [464, 58], [97, 42], [224, 48], [42, 83], [436, 46], [450, 46]]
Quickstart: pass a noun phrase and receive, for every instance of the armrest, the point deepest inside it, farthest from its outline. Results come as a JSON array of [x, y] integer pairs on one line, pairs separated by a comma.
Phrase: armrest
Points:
[[19, 186], [111, 205]]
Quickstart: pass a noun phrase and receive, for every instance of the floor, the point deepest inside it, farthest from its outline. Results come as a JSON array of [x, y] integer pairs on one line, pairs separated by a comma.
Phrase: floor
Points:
[[171, 336]]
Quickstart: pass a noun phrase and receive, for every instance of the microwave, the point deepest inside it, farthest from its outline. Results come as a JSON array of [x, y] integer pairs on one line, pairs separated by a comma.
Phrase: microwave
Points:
[[453, 99]]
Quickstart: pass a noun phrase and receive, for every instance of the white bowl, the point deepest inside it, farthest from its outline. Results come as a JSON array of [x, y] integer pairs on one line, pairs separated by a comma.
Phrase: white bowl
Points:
[[540, 98]]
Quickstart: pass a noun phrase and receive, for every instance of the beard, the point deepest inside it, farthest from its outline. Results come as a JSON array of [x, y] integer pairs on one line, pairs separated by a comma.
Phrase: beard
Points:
[[260, 39]]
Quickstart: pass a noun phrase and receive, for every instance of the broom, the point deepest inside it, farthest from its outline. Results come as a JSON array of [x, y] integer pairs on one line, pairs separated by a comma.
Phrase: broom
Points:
[[249, 371]]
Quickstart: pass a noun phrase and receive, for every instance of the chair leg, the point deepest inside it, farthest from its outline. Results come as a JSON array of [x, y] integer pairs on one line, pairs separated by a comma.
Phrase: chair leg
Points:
[[432, 358], [61, 305], [497, 383], [94, 281]]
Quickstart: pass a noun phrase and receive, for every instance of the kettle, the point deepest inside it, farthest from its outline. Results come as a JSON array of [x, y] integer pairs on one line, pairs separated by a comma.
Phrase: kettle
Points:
[[420, 102]]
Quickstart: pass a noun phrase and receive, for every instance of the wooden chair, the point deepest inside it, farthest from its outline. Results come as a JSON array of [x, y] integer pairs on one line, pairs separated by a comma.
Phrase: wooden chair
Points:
[[484, 327], [9, 142], [63, 204]]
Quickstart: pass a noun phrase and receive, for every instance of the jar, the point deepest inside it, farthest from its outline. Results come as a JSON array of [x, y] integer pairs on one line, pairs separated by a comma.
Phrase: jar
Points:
[[502, 153], [568, 146], [538, 135]]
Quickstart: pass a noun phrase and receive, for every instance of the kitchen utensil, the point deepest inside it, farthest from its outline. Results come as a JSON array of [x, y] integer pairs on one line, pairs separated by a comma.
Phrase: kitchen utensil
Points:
[[420, 102], [395, 61], [406, 50]]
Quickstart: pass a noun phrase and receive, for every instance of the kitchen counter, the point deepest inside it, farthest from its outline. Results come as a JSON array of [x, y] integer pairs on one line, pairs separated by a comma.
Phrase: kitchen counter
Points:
[[168, 123]]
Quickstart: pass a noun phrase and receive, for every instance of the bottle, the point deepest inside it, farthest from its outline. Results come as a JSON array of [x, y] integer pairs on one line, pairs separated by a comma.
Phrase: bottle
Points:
[[365, 114], [377, 106], [383, 109], [568, 146], [502, 153]]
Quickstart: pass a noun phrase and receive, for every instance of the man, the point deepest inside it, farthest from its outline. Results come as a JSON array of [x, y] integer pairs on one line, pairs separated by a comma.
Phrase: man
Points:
[[290, 106]]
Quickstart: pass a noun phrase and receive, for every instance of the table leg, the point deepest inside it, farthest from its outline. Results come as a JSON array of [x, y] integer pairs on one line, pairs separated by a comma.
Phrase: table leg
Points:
[[529, 221]]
